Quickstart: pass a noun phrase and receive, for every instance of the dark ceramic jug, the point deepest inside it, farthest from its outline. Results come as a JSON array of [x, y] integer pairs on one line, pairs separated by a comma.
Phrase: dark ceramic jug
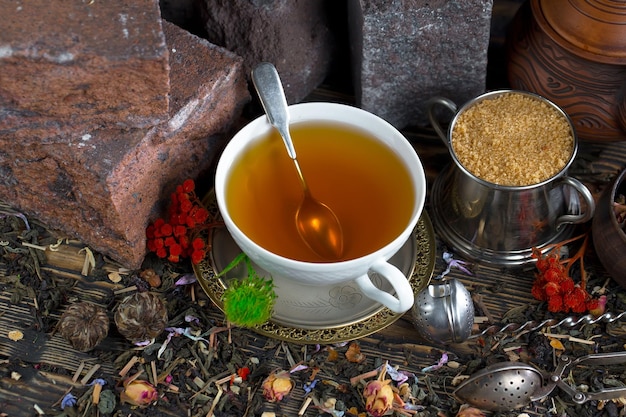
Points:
[[573, 52]]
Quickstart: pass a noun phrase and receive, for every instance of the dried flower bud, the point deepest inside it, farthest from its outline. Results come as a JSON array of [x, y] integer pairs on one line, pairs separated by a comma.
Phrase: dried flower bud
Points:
[[353, 354], [468, 411], [597, 307], [139, 393], [84, 325], [277, 385], [378, 395], [151, 277], [141, 317]]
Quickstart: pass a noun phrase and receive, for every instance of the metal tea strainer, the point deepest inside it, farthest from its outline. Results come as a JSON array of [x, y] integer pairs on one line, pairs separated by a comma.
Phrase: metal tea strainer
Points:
[[443, 312], [510, 386]]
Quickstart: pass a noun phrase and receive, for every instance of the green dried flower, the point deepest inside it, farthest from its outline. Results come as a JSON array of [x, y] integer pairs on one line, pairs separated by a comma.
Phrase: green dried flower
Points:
[[248, 301]]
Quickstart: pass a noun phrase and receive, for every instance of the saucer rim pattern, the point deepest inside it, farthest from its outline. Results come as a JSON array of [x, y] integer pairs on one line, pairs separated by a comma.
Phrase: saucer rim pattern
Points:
[[420, 278]]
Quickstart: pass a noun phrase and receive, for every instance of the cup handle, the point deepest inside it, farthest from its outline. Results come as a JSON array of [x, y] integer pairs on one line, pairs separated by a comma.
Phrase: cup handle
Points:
[[404, 298], [433, 120], [587, 197]]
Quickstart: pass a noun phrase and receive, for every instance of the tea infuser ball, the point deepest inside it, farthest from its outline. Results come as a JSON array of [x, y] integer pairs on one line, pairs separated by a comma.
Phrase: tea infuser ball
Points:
[[443, 312]]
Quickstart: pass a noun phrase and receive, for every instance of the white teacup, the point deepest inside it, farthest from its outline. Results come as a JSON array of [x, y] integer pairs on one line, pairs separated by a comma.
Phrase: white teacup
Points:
[[328, 273]]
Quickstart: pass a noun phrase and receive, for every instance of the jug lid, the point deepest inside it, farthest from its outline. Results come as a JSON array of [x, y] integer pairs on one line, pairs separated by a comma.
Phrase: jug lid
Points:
[[592, 29]]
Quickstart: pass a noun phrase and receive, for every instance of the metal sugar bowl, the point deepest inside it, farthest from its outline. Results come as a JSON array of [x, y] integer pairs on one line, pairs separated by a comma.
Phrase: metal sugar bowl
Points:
[[500, 224]]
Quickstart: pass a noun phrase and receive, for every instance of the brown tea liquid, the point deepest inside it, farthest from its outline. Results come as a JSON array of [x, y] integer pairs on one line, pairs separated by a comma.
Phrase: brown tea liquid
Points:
[[363, 182]]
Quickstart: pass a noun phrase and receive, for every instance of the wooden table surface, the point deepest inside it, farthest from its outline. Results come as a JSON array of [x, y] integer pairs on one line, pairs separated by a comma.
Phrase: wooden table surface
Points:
[[46, 362]]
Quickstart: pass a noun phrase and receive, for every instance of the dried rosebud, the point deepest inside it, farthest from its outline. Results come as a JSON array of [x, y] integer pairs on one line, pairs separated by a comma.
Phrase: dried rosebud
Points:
[[378, 395], [468, 411], [597, 306], [84, 325], [353, 354], [141, 316], [277, 385], [138, 392], [151, 277]]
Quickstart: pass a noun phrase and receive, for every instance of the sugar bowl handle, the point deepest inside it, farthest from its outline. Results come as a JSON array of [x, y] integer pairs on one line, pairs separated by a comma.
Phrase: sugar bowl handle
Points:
[[442, 101], [587, 214]]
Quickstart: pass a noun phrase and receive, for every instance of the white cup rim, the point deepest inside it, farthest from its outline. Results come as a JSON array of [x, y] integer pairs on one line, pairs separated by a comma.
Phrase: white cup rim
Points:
[[262, 124]]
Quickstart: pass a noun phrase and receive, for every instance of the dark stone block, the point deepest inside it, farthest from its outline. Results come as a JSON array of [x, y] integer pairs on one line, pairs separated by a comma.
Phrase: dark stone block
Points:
[[293, 35], [406, 52]]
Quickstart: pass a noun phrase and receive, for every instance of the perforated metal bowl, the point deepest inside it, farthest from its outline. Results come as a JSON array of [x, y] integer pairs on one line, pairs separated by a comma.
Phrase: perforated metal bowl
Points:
[[444, 312], [501, 387]]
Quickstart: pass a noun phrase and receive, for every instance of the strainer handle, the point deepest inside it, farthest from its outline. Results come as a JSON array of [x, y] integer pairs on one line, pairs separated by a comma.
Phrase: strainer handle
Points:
[[607, 358], [605, 394]]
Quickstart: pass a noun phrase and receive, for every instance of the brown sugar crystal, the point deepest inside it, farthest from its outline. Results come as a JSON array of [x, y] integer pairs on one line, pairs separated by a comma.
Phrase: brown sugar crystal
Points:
[[513, 139]]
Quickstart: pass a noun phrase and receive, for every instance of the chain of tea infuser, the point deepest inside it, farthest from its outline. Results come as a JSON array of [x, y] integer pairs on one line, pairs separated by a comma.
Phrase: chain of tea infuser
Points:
[[533, 325]]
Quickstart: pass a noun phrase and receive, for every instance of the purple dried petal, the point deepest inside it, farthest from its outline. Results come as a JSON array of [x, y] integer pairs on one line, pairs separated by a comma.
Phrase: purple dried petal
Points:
[[186, 279], [192, 319], [460, 265], [98, 381], [298, 368], [397, 375], [447, 257], [20, 215], [442, 361]]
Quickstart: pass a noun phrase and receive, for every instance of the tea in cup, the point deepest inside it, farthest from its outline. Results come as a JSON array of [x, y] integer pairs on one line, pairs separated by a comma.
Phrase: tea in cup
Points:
[[354, 162]]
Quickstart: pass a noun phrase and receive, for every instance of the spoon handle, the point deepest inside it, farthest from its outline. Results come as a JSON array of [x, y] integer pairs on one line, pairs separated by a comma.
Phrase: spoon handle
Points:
[[270, 90]]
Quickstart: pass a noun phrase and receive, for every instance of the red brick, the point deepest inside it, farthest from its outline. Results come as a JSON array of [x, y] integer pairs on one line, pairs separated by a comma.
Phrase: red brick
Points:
[[102, 186], [66, 63]]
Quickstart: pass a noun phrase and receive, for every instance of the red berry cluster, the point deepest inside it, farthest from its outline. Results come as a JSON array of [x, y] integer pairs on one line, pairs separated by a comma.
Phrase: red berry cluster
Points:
[[177, 237], [554, 284]]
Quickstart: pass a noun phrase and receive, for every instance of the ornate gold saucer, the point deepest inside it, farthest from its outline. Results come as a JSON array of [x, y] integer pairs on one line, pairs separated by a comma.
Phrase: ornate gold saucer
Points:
[[308, 314]]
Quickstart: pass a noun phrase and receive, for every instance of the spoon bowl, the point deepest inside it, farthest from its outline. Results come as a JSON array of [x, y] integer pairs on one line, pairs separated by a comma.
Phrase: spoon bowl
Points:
[[319, 228], [317, 224]]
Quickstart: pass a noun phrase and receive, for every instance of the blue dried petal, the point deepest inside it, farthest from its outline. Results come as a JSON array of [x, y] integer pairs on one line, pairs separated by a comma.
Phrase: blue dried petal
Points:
[[309, 387], [98, 381], [68, 401]]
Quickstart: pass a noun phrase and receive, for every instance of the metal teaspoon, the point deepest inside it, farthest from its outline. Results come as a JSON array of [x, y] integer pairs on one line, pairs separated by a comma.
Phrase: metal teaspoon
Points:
[[317, 224]]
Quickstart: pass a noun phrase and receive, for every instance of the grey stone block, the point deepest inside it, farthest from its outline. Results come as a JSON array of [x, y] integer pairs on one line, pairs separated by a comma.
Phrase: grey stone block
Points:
[[405, 52]]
